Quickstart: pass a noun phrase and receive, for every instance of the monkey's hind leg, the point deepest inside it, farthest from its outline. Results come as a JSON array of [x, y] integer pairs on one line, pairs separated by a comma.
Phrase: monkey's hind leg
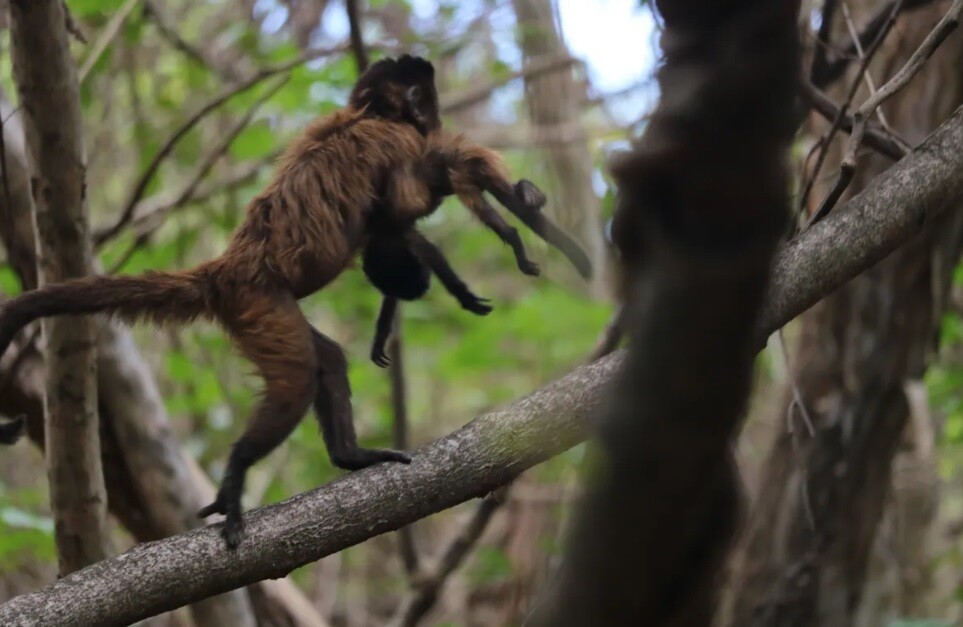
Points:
[[333, 407], [274, 335]]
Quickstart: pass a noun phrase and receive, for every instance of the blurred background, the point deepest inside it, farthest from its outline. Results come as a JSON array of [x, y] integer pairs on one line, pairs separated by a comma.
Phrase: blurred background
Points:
[[556, 86]]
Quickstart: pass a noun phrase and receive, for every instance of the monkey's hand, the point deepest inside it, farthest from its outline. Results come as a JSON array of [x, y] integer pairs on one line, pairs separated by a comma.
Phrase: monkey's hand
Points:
[[527, 266], [233, 527], [475, 304], [378, 355], [529, 194]]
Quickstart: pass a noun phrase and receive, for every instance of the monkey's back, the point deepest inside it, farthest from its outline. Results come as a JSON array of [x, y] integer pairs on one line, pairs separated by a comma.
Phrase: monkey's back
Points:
[[304, 229]]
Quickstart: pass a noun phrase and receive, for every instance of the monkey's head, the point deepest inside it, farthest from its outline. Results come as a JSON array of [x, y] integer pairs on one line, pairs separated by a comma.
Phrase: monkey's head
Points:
[[400, 90]]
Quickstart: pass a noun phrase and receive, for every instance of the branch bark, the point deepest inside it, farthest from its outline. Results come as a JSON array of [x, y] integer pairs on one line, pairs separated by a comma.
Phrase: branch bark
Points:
[[47, 81], [494, 448]]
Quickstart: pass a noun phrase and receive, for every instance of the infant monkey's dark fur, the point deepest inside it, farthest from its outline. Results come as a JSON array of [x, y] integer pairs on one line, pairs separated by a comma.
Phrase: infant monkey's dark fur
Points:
[[298, 235], [400, 264]]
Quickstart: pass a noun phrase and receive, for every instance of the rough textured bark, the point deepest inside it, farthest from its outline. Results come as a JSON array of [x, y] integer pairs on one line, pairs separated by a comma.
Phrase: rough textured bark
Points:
[[555, 102], [47, 81], [491, 449], [806, 550], [153, 487]]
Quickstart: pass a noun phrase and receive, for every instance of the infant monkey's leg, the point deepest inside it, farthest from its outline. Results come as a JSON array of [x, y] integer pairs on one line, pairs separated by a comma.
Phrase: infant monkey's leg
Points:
[[400, 268]]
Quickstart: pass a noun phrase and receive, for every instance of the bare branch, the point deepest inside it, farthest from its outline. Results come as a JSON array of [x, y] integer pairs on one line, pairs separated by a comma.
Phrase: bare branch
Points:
[[357, 41], [407, 546], [882, 141], [106, 37], [875, 25], [827, 138], [198, 55], [900, 80], [417, 604]]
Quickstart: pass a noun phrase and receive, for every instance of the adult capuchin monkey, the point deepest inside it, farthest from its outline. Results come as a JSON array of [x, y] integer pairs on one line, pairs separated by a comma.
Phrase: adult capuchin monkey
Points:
[[380, 153]]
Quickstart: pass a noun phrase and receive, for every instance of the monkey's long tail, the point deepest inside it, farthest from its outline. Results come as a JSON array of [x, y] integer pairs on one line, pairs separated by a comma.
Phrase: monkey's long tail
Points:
[[156, 296]]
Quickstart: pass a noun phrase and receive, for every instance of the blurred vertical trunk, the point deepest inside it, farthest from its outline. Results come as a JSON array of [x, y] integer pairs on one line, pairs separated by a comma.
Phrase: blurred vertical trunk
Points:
[[805, 553], [555, 108]]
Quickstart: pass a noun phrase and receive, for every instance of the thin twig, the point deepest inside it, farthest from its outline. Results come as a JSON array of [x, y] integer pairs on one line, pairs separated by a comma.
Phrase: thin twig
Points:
[[407, 545], [420, 601], [357, 41], [883, 141], [893, 86], [475, 95], [198, 55], [73, 28], [843, 110], [106, 37], [610, 337], [212, 157], [159, 206], [105, 235], [867, 75], [835, 69]]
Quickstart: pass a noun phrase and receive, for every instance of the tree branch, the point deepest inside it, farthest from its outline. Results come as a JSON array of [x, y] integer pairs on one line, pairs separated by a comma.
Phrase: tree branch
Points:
[[494, 448]]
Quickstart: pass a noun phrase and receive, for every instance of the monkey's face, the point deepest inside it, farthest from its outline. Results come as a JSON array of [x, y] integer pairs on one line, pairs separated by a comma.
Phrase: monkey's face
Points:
[[401, 90]]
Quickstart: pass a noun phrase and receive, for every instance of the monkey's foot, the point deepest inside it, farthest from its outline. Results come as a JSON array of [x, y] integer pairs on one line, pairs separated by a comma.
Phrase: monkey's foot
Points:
[[476, 304], [359, 458], [379, 357], [529, 267], [533, 197], [232, 529], [11, 431]]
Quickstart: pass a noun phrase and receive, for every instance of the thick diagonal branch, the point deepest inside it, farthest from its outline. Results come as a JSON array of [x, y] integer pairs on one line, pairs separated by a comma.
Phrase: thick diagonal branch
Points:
[[492, 449]]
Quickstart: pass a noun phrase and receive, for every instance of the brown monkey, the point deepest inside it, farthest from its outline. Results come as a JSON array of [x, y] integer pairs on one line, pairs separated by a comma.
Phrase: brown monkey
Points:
[[297, 236]]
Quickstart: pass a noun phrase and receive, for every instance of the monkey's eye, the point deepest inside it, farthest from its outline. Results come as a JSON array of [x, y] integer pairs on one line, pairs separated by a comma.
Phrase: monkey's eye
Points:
[[413, 93]]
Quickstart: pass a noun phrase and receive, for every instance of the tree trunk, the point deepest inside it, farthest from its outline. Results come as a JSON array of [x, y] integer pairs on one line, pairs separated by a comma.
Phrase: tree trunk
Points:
[[47, 82], [804, 555], [555, 108]]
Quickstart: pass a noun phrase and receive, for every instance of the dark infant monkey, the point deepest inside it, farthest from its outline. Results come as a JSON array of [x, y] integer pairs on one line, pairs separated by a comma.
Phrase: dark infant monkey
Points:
[[399, 261]]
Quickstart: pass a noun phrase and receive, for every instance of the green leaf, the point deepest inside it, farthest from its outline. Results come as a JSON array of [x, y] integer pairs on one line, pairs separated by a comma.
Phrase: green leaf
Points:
[[253, 142], [9, 281], [84, 8], [490, 565]]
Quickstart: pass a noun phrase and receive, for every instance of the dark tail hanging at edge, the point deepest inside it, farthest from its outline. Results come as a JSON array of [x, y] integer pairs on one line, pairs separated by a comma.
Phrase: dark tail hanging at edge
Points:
[[155, 296]]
